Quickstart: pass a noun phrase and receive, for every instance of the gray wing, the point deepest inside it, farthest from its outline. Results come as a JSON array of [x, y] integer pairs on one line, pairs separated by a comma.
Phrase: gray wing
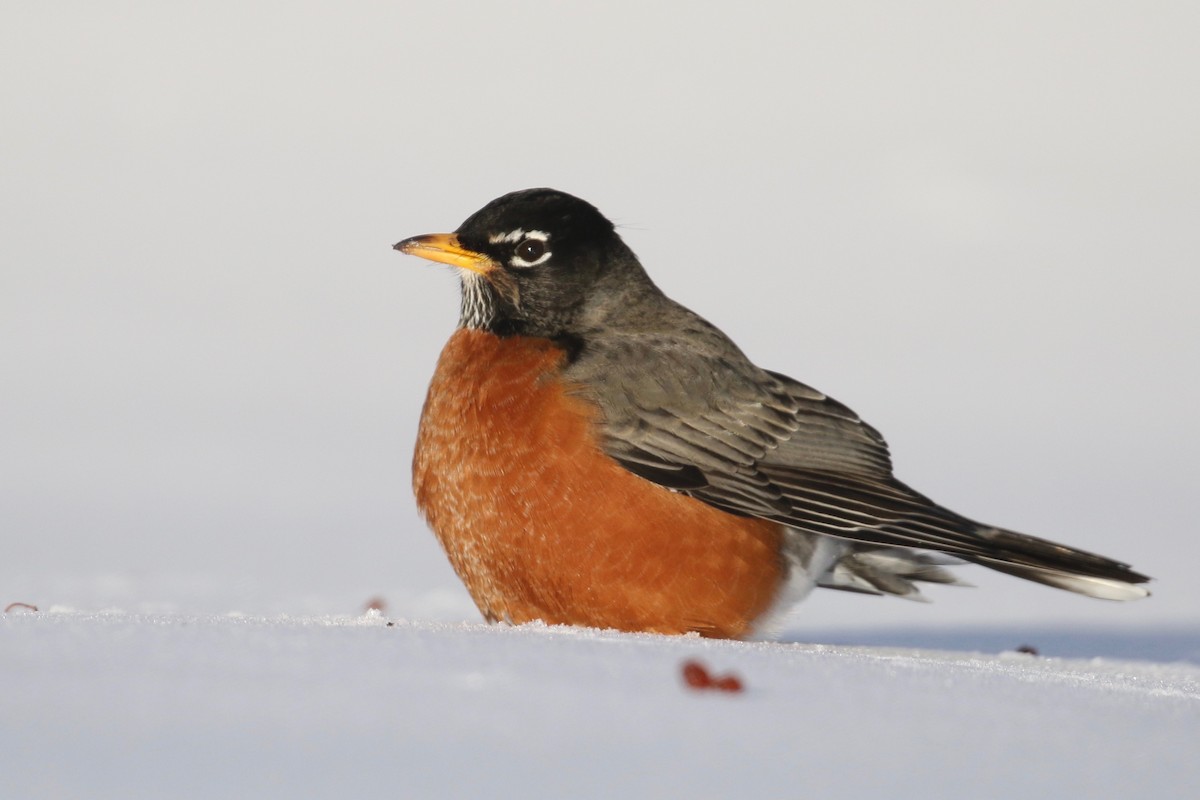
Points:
[[691, 413]]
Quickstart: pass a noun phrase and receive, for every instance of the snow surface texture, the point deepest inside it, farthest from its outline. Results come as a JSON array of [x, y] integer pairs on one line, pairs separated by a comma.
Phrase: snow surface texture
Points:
[[117, 705]]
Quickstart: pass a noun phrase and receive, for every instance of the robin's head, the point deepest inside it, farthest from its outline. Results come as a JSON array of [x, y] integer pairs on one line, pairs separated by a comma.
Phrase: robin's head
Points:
[[537, 262]]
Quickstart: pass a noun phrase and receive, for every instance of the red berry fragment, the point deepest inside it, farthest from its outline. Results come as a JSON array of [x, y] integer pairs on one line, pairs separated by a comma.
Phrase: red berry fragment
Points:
[[728, 683], [696, 676], [375, 604]]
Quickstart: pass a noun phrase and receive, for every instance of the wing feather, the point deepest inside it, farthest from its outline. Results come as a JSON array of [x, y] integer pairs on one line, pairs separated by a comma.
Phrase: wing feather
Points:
[[698, 417]]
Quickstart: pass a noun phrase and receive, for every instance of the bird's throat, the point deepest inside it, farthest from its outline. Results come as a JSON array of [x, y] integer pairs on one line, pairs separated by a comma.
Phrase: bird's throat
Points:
[[480, 306]]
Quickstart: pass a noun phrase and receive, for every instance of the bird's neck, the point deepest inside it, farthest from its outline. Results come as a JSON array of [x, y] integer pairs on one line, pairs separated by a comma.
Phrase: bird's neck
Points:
[[479, 308]]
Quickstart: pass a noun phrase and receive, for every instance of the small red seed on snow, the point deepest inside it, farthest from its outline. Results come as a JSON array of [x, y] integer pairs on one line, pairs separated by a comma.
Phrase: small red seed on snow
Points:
[[376, 604], [696, 676], [728, 683]]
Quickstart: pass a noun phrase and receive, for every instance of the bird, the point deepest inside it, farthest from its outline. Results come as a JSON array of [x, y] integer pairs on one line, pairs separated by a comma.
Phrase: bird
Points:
[[592, 453]]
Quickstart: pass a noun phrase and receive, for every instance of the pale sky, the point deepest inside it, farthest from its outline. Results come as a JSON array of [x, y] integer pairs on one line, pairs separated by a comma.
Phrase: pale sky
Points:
[[975, 225]]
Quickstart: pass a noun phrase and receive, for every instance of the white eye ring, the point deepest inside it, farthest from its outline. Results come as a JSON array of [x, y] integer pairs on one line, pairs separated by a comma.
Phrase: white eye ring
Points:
[[531, 249]]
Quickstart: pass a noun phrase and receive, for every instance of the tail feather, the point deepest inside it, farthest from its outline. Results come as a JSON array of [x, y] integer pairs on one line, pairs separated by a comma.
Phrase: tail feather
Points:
[[1059, 566], [872, 569], [1101, 588]]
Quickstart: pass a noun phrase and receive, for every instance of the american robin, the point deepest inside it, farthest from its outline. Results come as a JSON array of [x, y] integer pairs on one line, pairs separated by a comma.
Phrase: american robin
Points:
[[593, 453]]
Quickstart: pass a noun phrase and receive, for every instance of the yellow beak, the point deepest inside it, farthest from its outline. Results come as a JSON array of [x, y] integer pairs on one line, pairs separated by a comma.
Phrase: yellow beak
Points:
[[444, 248]]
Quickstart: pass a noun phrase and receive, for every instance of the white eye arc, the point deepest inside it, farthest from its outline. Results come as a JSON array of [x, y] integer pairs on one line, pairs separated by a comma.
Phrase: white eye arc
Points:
[[531, 247]]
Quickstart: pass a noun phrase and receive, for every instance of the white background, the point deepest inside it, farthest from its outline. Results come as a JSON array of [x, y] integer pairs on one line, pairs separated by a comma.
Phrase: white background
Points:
[[976, 224]]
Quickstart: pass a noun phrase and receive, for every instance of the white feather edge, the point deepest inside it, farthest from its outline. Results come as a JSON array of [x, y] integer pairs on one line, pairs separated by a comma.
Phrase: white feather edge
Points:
[[1100, 588]]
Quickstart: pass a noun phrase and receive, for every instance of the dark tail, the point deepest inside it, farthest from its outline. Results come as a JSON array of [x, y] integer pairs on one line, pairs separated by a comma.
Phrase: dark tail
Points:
[[1059, 566]]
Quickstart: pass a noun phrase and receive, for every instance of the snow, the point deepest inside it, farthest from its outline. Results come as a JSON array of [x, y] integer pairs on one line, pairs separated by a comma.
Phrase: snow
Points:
[[178, 705]]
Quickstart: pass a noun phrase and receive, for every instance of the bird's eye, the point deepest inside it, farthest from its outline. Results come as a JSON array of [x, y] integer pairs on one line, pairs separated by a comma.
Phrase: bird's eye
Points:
[[530, 252]]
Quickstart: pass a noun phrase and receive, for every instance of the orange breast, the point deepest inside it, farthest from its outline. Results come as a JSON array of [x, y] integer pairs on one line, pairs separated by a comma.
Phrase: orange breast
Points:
[[541, 525]]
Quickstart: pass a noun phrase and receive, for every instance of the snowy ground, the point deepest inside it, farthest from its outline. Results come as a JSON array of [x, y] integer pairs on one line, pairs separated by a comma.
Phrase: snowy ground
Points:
[[165, 705]]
